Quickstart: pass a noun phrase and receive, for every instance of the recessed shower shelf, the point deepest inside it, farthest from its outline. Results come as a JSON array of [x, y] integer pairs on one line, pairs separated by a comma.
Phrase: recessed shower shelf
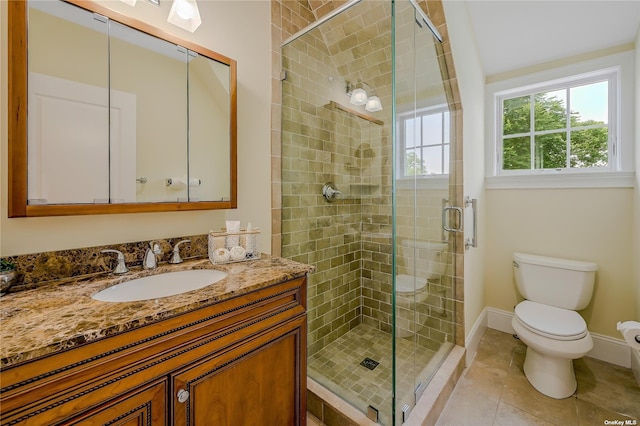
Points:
[[362, 189], [351, 167]]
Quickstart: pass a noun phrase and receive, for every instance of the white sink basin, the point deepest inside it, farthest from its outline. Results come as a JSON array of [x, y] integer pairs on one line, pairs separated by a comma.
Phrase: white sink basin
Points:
[[161, 285]]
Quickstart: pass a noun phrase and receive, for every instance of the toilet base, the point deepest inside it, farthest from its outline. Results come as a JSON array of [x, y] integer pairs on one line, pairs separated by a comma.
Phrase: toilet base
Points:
[[551, 376]]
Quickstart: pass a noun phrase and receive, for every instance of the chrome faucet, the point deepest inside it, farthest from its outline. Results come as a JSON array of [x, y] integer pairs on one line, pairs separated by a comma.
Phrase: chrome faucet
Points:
[[121, 267], [151, 256], [175, 258]]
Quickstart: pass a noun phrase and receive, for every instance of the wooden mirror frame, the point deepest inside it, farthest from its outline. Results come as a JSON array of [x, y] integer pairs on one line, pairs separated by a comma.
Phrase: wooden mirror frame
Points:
[[17, 131]]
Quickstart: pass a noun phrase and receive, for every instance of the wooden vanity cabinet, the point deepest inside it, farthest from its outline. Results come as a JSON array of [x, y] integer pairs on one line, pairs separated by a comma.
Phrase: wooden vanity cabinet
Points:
[[239, 361], [254, 383], [144, 406]]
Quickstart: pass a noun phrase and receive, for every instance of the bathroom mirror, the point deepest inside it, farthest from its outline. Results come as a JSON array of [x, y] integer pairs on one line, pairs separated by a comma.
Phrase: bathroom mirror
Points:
[[111, 115]]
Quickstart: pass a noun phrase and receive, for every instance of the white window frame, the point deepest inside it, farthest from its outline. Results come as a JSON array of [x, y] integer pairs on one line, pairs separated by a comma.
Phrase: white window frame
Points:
[[611, 75], [402, 149]]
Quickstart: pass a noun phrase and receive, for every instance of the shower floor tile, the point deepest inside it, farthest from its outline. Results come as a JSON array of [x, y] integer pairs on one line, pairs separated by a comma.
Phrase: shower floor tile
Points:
[[338, 368]]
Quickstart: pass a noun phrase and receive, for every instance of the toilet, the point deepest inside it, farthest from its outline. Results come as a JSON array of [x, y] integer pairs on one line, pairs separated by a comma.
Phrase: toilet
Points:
[[425, 260], [547, 321]]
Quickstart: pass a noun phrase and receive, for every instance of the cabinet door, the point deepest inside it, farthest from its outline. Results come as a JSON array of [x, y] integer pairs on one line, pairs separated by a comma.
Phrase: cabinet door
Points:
[[260, 382], [146, 406]]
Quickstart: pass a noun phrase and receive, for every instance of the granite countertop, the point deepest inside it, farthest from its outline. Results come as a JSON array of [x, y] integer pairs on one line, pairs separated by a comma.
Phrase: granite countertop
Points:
[[48, 319]]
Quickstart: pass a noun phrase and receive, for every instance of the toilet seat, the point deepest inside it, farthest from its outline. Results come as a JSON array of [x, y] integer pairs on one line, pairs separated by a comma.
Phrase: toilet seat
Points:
[[409, 284], [549, 321]]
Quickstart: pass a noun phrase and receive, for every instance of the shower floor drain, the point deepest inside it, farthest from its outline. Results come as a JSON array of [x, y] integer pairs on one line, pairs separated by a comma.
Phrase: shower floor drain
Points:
[[369, 363]]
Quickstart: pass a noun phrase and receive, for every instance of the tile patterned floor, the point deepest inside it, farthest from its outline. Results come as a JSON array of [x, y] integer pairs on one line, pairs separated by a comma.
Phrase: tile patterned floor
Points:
[[338, 368], [493, 390]]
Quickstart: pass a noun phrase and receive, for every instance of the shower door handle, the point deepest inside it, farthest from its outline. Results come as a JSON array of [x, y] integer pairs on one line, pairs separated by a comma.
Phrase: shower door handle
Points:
[[445, 216]]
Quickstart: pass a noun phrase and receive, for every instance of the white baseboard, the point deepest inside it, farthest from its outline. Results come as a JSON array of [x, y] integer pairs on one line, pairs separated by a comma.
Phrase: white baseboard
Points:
[[635, 364], [472, 341], [614, 351], [500, 320], [605, 348]]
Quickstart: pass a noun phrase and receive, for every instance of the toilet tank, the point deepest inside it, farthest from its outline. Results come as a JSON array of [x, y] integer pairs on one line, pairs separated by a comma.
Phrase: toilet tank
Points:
[[424, 259], [563, 283]]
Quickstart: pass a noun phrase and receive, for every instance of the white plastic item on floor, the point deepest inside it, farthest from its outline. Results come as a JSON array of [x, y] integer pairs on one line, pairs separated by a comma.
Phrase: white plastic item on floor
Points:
[[631, 332]]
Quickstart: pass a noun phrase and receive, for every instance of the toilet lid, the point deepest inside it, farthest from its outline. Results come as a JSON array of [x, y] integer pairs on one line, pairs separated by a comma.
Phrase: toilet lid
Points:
[[552, 322], [409, 283]]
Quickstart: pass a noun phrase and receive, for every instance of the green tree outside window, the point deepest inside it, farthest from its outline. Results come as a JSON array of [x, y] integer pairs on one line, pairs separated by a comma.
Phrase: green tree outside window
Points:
[[588, 144]]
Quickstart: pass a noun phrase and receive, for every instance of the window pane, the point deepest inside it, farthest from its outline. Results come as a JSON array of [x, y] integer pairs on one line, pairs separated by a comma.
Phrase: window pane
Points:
[[589, 104], [551, 151], [516, 153], [550, 110], [433, 160], [413, 164], [432, 129], [516, 116], [409, 133], [589, 148], [446, 127], [447, 148]]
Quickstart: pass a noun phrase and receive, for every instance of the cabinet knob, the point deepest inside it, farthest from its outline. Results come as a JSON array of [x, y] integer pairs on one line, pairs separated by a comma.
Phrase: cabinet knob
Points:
[[183, 395]]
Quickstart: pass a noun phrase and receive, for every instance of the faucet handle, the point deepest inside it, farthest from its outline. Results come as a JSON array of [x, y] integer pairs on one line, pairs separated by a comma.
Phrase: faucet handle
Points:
[[155, 247], [121, 267], [175, 258]]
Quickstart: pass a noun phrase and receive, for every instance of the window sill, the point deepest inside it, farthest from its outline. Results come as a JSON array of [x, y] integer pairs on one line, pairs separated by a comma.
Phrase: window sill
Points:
[[568, 180], [423, 182]]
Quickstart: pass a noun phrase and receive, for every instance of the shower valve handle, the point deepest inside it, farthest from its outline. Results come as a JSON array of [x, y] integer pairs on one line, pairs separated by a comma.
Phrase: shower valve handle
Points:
[[330, 192]]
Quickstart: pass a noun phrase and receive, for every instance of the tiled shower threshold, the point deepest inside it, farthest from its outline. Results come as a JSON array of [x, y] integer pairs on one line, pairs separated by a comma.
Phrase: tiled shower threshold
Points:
[[331, 409]]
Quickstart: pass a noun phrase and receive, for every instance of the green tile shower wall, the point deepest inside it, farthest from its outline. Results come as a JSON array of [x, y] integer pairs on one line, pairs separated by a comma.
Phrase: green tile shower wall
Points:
[[314, 143], [349, 241], [288, 18]]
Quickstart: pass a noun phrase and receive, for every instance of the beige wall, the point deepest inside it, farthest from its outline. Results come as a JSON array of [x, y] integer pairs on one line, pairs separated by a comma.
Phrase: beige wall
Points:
[[595, 224], [240, 30], [589, 224], [585, 224], [471, 86]]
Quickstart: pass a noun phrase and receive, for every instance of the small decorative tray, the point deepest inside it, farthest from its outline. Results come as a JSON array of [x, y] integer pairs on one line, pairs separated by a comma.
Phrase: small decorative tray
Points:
[[229, 247]]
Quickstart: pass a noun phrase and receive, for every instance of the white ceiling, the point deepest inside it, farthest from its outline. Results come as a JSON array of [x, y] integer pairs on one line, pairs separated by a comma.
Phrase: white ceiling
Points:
[[513, 34]]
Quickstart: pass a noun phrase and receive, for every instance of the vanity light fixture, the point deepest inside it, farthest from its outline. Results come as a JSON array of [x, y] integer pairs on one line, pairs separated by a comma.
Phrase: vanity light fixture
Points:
[[373, 104], [185, 14], [358, 97], [133, 2]]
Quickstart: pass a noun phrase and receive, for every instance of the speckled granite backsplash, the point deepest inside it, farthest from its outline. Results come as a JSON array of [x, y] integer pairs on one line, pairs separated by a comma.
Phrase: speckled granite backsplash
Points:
[[41, 268]]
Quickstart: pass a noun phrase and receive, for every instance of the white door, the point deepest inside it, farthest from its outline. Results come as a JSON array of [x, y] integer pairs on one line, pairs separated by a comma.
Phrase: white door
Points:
[[70, 157]]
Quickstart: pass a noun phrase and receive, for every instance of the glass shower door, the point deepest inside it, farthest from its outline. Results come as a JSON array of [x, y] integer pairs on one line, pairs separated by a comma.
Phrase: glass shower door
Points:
[[424, 319], [379, 306], [327, 137]]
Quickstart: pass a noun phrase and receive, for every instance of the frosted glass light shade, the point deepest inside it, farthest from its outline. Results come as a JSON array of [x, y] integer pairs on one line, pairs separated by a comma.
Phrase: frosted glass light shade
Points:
[[184, 10], [358, 97], [373, 104], [185, 14]]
